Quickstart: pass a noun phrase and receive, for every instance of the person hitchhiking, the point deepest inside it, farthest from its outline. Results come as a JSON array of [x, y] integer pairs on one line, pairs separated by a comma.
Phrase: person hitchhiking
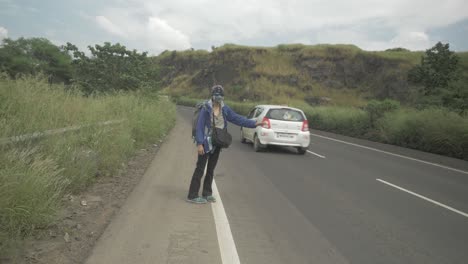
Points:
[[211, 135]]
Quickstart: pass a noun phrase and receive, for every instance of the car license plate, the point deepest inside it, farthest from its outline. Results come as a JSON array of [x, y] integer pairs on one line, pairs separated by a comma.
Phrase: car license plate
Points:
[[282, 135]]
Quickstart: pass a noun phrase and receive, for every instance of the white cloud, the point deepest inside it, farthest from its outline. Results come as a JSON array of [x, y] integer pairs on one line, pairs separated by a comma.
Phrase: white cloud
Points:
[[148, 33], [181, 24], [110, 27], [213, 22], [348, 36], [3, 33], [161, 34], [412, 40]]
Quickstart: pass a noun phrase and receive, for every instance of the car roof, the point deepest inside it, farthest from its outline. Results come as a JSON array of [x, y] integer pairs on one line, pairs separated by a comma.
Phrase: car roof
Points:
[[278, 106]]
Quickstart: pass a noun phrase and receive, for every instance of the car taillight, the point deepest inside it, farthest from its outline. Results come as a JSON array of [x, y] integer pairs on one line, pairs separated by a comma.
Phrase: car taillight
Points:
[[266, 123], [305, 126]]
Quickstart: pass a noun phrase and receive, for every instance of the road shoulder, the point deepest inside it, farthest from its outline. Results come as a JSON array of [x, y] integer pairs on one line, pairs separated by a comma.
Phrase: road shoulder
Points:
[[156, 225]]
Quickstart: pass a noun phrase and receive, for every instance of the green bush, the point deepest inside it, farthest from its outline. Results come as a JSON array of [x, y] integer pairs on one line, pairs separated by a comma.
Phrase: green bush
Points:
[[377, 109], [432, 130], [241, 108], [342, 120], [185, 101]]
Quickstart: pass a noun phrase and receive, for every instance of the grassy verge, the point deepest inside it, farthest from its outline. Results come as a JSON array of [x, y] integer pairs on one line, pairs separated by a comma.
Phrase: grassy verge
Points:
[[433, 130], [436, 130], [341, 120], [36, 174]]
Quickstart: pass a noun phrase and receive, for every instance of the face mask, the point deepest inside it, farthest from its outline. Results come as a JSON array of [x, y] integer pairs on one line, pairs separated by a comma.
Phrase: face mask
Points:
[[218, 98]]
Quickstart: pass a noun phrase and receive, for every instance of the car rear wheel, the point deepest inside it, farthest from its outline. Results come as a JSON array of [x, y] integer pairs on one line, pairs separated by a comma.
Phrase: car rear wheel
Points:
[[257, 145], [243, 140], [301, 151]]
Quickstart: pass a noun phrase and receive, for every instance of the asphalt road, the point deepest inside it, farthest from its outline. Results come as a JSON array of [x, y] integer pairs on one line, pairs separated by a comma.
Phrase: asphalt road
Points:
[[288, 208], [348, 201]]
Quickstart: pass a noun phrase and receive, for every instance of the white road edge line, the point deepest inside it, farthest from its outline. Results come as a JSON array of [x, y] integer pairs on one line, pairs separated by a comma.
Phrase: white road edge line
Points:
[[318, 155], [393, 154], [227, 247], [425, 198]]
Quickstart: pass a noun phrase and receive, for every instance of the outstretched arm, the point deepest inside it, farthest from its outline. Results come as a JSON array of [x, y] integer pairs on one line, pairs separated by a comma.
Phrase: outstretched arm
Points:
[[239, 120]]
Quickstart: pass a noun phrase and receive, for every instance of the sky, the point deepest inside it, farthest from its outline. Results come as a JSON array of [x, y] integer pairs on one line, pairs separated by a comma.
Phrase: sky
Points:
[[159, 25]]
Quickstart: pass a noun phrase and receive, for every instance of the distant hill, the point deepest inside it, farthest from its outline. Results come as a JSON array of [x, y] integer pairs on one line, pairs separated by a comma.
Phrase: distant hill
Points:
[[318, 74]]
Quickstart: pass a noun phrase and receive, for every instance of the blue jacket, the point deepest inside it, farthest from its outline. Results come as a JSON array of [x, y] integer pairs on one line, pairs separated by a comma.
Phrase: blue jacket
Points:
[[205, 120]]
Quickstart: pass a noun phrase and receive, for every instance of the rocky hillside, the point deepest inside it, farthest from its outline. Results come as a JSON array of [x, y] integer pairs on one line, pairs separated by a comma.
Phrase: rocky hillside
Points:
[[320, 74]]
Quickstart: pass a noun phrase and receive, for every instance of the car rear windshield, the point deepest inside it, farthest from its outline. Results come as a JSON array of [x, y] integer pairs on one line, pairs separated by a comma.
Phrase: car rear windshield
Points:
[[285, 114]]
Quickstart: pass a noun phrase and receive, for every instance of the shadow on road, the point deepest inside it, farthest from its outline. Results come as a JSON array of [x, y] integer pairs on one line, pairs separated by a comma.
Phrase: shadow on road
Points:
[[274, 150]]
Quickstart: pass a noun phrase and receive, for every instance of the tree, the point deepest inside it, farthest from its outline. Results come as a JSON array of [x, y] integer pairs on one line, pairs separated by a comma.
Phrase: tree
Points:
[[33, 56], [437, 69], [112, 67]]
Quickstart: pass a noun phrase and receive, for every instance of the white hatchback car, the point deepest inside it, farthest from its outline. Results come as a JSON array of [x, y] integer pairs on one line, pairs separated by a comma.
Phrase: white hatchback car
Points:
[[284, 126]]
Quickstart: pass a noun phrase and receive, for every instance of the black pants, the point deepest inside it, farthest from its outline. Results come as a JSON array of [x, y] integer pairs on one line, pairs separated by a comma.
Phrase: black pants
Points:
[[212, 159]]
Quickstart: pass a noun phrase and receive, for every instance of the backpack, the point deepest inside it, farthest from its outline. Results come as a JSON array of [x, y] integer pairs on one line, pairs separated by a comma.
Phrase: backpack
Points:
[[196, 115]]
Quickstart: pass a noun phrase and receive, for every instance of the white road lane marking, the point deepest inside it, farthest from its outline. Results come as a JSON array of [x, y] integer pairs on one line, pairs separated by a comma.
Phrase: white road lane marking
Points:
[[227, 247], [318, 155], [393, 154], [424, 198]]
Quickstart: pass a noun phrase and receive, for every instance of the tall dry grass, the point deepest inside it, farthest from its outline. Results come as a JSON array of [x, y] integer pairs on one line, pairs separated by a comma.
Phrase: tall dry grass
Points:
[[36, 173]]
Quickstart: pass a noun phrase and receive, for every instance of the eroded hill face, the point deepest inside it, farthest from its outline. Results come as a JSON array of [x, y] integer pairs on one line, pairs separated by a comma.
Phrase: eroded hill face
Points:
[[342, 74]]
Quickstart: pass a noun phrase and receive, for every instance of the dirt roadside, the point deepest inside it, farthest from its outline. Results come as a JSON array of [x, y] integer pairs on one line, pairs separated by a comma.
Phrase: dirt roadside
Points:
[[84, 217]]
